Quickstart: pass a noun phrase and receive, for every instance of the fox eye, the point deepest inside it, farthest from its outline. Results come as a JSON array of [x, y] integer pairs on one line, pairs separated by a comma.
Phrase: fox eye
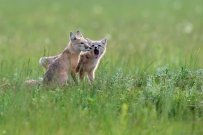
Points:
[[81, 43], [99, 45]]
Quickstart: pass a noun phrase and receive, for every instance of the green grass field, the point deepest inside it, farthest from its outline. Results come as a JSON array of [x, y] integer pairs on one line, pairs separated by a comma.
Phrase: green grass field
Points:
[[150, 80]]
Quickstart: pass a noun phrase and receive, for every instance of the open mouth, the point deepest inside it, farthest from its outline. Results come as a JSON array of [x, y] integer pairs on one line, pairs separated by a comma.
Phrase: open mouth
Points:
[[96, 53]]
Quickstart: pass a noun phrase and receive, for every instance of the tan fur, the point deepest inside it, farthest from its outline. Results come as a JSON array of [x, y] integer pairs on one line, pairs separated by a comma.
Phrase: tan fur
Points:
[[75, 46], [45, 61], [57, 73], [88, 63], [32, 83], [59, 66]]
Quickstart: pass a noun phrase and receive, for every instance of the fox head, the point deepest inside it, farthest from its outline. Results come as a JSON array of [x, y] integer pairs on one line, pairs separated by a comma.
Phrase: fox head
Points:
[[98, 48], [78, 42]]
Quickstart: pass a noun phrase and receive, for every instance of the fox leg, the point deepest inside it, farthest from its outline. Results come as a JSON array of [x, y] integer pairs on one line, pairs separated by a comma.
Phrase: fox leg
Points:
[[79, 64], [73, 74], [91, 76], [45, 61], [82, 75], [63, 78]]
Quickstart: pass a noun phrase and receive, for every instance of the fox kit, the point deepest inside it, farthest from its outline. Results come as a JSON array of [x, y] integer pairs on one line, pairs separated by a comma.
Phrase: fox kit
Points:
[[88, 61], [57, 72], [76, 45]]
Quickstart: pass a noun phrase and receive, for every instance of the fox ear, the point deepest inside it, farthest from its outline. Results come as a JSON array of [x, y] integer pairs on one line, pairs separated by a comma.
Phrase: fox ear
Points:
[[89, 41], [79, 34], [72, 36], [104, 41]]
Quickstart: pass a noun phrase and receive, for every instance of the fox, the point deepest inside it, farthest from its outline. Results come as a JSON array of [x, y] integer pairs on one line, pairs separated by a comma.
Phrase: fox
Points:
[[57, 72], [89, 61], [59, 66], [77, 44]]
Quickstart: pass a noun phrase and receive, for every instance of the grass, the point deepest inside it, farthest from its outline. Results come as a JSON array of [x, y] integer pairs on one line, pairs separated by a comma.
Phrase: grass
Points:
[[148, 82]]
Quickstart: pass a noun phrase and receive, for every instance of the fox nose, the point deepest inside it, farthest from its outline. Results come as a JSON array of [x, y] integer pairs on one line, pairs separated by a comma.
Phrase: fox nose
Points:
[[86, 44]]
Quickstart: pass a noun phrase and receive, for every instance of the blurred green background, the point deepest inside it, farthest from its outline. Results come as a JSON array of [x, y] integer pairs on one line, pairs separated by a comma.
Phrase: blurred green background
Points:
[[168, 32], [148, 82]]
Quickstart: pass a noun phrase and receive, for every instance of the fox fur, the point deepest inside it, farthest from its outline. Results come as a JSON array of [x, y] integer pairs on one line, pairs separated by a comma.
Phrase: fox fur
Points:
[[89, 61], [76, 45], [57, 72], [58, 67]]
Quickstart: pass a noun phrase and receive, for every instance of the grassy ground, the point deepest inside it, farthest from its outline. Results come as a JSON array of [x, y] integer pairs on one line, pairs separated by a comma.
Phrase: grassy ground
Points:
[[148, 82]]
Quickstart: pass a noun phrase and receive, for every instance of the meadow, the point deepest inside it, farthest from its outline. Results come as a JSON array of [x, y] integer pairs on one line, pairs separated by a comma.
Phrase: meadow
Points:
[[150, 81]]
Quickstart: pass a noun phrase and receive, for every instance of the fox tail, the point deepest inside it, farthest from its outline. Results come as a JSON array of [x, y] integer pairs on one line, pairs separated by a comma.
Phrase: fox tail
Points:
[[33, 83]]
